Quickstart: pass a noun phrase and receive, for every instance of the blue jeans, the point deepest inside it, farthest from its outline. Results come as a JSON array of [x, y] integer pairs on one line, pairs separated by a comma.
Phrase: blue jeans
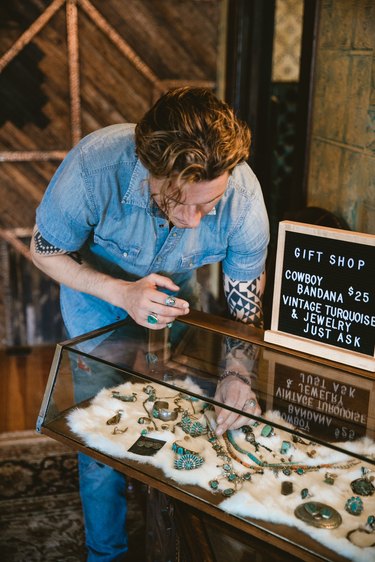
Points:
[[102, 488], [104, 509]]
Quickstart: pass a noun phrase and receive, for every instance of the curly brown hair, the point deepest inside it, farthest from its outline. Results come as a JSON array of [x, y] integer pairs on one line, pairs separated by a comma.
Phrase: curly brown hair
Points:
[[189, 135]]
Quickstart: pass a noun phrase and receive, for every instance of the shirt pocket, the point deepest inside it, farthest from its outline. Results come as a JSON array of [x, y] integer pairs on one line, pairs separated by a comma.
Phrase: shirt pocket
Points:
[[126, 254], [193, 261]]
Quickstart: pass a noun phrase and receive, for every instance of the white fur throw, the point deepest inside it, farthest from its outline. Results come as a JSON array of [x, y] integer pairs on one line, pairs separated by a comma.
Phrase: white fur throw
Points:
[[260, 497]]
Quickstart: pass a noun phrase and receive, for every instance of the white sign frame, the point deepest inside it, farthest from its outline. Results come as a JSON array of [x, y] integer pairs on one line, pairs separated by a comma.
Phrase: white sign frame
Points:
[[299, 343]]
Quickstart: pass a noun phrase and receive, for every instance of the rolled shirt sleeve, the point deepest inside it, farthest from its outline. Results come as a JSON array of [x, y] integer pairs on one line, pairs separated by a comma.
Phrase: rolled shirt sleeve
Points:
[[248, 240], [66, 215]]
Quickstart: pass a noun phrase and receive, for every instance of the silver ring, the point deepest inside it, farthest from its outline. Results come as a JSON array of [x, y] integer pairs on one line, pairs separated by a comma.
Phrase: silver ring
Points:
[[170, 301], [250, 404]]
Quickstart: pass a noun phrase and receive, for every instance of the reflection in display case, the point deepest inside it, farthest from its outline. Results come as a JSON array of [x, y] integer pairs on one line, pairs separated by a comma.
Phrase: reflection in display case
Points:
[[298, 476]]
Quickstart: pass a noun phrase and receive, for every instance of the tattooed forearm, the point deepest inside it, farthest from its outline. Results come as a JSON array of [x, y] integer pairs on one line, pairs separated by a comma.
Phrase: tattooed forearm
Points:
[[244, 299], [43, 247]]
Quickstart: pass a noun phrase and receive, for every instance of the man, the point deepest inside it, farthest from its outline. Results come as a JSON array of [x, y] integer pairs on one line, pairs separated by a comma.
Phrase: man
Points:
[[127, 219]]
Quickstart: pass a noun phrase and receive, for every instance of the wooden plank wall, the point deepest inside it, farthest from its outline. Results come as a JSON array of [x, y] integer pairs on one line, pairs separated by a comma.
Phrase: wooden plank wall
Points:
[[68, 67]]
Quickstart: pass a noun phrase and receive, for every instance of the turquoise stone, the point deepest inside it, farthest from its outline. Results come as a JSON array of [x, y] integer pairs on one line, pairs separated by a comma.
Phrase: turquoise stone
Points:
[[214, 484], [304, 493], [354, 505], [285, 446], [267, 431], [311, 508], [228, 492], [326, 513], [144, 432]]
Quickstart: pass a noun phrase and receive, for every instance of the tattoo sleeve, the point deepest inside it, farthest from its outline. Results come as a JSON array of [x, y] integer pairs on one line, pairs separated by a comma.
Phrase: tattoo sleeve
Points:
[[244, 300], [43, 247]]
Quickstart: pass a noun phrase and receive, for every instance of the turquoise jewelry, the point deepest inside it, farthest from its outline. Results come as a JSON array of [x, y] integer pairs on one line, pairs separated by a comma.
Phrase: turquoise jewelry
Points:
[[167, 415], [114, 420], [188, 461], [354, 505], [228, 472], [124, 397], [285, 447], [363, 539], [180, 448], [170, 301], [193, 428], [152, 318], [305, 493], [363, 486], [250, 438], [161, 411], [286, 467], [330, 478], [159, 405], [150, 390], [318, 515], [267, 431]]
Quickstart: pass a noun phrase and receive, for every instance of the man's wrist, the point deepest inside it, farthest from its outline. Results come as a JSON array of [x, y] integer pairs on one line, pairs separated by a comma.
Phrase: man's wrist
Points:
[[236, 374]]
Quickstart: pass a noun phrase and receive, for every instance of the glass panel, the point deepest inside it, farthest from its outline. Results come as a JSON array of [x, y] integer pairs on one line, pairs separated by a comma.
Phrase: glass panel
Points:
[[146, 401], [318, 403]]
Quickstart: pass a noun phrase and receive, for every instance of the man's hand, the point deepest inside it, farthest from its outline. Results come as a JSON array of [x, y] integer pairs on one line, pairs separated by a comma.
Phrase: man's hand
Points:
[[139, 298], [142, 298], [237, 394]]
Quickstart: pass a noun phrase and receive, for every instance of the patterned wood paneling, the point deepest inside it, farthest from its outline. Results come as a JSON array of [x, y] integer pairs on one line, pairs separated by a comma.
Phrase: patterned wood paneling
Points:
[[68, 67], [71, 66]]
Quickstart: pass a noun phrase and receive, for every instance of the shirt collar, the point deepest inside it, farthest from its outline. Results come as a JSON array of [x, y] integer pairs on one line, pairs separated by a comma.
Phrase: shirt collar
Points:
[[138, 192]]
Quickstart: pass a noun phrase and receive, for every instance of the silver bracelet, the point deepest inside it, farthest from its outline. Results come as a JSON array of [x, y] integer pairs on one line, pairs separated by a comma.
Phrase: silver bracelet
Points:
[[236, 374]]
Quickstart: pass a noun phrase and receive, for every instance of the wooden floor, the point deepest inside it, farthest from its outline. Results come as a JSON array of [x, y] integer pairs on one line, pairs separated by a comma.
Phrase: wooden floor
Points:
[[23, 378]]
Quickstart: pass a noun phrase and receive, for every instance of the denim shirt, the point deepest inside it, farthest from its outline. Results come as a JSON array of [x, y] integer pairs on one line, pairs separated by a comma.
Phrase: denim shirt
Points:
[[98, 202]]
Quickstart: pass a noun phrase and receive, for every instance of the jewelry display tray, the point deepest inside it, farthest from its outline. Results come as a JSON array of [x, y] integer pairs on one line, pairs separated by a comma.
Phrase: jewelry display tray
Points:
[[322, 410]]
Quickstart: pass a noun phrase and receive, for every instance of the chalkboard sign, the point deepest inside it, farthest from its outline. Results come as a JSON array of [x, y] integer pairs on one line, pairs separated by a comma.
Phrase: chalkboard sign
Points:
[[324, 295]]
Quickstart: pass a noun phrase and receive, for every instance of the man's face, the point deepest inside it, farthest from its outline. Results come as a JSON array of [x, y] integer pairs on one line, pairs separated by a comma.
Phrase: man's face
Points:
[[197, 201]]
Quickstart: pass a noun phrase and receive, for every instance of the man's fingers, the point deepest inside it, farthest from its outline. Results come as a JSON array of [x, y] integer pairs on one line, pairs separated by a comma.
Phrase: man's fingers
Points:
[[162, 281]]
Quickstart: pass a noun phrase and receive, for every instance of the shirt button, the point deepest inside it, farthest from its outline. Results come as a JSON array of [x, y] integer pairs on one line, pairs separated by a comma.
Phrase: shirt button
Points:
[[191, 264], [125, 254], [174, 234]]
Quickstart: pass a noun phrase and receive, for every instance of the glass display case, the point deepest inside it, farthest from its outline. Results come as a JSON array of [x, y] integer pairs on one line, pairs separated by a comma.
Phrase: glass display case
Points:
[[294, 470]]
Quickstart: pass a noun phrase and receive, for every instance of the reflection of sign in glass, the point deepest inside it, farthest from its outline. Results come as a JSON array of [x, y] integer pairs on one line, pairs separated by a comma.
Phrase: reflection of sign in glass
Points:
[[319, 405], [324, 402], [324, 293]]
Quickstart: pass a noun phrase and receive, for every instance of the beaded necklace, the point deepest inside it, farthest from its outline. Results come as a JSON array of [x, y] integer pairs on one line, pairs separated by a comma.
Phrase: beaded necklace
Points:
[[228, 473], [285, 466]]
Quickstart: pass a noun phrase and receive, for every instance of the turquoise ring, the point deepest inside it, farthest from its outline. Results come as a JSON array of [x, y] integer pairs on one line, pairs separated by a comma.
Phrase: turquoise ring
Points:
[[152, 318], [170, 301]]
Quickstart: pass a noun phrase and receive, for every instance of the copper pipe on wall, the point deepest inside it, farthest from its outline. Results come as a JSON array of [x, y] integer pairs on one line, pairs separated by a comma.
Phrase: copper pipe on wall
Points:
[[74, 74]]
